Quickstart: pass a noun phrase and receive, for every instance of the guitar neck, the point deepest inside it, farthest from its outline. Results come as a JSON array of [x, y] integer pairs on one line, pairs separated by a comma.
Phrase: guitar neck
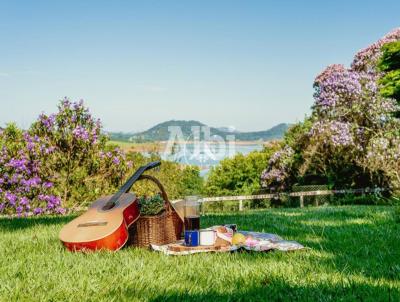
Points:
[[129, 183], [127, 186]]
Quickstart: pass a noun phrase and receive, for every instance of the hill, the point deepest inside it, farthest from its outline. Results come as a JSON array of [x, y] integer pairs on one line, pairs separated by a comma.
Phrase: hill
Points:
[[160, 132]]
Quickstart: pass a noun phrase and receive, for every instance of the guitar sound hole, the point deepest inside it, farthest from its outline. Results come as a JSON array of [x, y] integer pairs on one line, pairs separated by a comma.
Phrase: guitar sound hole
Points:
[[108, 206]]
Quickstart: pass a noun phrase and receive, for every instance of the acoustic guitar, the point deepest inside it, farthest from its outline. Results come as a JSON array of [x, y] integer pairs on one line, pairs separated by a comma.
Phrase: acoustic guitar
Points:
[[105, 224]]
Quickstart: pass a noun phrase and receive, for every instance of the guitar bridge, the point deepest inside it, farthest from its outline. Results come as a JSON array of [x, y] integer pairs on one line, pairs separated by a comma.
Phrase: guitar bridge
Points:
[[92, 223]]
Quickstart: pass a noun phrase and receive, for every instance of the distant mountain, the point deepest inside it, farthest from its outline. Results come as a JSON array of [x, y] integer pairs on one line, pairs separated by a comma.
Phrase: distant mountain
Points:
[[275, 132], [160, 132], [228, 129]]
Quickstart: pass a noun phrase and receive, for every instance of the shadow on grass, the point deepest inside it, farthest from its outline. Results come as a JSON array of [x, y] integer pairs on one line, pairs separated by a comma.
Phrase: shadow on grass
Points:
[[14, 224], [276, 290], [360, 240]]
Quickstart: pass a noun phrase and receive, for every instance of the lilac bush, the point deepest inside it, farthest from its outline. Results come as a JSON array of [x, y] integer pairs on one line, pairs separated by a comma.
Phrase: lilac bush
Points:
[[335, 133], [276, 175], [62, 160], [350, 120], [80, 170], [366, 59], [383, 155], [338, 86], [24, 188]]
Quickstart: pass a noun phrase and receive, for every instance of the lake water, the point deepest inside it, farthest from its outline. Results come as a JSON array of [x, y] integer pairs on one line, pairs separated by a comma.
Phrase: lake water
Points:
[[207, 155]]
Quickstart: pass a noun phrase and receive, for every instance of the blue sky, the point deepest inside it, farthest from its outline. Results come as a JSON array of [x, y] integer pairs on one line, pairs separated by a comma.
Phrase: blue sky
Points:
[[248, 64]]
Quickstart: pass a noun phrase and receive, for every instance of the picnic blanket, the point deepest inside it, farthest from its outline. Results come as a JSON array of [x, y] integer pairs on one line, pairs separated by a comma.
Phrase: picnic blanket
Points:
[[260, 242]]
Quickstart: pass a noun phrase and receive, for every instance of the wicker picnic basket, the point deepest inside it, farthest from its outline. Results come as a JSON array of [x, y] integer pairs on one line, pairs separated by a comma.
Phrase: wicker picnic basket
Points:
[[159, 229]]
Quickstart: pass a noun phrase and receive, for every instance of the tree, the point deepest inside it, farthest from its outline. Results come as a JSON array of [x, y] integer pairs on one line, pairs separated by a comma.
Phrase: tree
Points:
[[62, 160], [339, 141], [238, 175], [390, 65], [178, 180]]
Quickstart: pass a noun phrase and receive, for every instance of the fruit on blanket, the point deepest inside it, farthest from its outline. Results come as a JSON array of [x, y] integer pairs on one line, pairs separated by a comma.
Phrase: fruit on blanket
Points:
[[251, 241], [221, 229], [238, 238]]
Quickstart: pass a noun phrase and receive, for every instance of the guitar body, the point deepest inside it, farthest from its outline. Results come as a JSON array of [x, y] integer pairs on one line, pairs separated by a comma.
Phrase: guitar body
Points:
[[101, 228]]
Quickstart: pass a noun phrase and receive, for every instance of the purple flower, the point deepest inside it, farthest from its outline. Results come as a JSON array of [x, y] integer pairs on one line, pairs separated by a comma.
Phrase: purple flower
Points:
[[17, 164], [66, 104], [78, 105], [339, 133], [327, 73], [81, 133], [52, 201], [49, 150], [42, 197], [23, 201], [94, 135], [278, 169], [32, 182], [12, 198], [60, 210], [338, 86], [47, 121], [116, 160], [366, 59], [37, 211], [47, 184]]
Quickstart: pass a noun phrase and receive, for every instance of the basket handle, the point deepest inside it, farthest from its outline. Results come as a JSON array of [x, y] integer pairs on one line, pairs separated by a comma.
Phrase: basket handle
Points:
[[164, 195]]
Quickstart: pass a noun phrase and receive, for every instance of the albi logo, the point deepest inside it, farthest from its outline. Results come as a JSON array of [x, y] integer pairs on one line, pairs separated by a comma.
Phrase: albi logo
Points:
[[200, 146]]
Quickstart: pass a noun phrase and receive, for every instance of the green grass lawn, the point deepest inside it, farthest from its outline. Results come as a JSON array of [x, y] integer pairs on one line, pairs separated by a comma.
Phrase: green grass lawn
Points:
[[354, 255]]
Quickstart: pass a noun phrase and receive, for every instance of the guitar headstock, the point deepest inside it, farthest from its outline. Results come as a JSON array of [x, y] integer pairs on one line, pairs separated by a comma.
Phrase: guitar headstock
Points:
[[151, 165]]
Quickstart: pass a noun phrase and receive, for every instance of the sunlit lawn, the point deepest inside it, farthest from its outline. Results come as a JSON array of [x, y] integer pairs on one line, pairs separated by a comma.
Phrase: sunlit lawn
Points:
[[354, 255]]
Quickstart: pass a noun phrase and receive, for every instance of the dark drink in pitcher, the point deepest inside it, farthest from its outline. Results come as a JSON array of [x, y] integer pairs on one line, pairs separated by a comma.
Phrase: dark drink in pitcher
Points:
[[192, 222], [192, 213]]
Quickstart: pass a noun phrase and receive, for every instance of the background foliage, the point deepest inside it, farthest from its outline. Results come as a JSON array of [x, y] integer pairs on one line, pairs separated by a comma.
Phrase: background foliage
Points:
[[352, 137], [64, 161], [390, 65], [239, 175]]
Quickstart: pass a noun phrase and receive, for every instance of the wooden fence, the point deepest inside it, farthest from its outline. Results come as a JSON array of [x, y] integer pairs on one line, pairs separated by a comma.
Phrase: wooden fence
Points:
[[301, 195], [240, 199]]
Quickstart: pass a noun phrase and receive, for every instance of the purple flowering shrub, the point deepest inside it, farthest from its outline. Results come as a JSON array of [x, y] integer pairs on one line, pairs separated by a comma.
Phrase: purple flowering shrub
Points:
[[62, 161], [25, 187], [276, 176], [350, 122], [383, 155], [367, 59]]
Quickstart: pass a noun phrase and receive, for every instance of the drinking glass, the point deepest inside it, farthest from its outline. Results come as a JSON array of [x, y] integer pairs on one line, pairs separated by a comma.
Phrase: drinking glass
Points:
[[192, 213]]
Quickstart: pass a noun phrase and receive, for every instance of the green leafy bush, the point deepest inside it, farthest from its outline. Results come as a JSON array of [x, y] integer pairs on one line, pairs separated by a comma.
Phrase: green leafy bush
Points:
[[83, 165], [352, 138], [178, 180], [397, 214], [64, 160], [61, 161], [191, 182], [238, 175], [351, 199], [390, 65], [151, 206]]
